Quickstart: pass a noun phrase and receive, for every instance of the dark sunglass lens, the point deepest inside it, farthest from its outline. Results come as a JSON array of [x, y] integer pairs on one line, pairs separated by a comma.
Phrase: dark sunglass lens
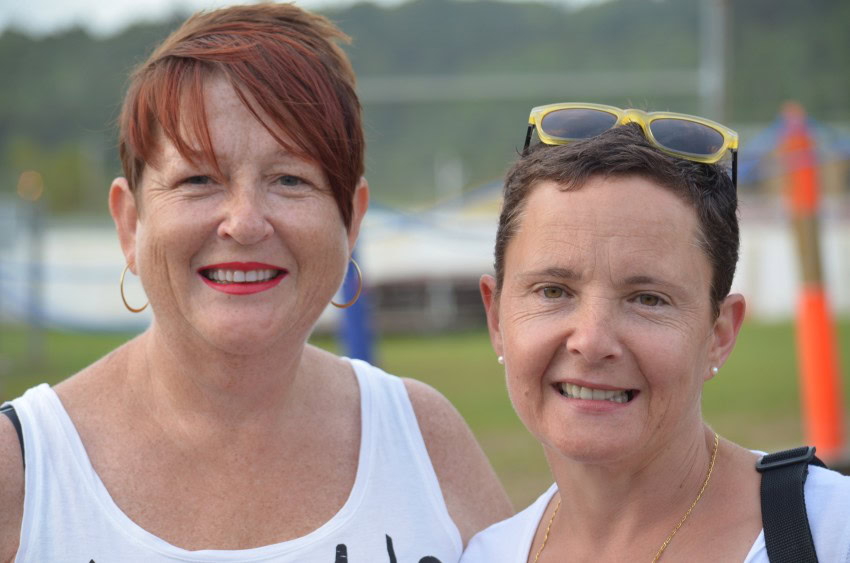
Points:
[[686, 136], [577, 123]]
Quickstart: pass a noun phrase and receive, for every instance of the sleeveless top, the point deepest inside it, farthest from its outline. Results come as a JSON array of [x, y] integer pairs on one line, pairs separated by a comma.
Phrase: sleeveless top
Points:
[[827, 495], [395, 510]]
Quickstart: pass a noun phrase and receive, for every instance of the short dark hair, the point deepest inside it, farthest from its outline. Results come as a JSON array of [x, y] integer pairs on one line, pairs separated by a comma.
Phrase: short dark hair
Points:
[[625, 151], [284, 58]]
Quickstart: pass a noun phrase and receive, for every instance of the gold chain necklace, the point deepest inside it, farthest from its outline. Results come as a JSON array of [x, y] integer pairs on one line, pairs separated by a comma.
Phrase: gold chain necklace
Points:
[[696, 500], [675, 528], [546, 535]]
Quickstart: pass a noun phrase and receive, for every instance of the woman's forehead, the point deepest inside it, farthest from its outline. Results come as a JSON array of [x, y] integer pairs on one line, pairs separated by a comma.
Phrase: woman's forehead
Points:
[[208, 123], [610, 206], [223, 107], [630, 224]]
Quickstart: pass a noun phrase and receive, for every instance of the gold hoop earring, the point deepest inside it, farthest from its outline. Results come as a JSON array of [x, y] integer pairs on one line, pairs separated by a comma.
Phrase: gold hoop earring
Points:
[[123, 298], [359, 288]]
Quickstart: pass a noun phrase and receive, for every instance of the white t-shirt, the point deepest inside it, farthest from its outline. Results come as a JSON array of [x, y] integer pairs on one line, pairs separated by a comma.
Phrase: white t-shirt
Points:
[[827, 495], [395, 511]]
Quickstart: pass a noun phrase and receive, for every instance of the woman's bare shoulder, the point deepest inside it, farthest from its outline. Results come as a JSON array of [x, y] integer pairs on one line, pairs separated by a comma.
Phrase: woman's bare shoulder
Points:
[[474, 496], [74, 389], [78, 389], [11, 490]]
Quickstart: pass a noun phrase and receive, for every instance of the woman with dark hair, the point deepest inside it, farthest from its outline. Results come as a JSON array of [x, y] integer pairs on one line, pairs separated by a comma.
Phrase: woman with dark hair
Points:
[[610, 309], [219, 434]]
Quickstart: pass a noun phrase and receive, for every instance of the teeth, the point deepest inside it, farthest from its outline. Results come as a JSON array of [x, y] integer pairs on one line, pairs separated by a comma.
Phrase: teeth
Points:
[[586, 393], [240, 276]]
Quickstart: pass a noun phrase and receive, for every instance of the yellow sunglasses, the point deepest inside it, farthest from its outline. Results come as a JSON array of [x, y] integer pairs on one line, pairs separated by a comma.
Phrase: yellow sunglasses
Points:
[[684, 136]]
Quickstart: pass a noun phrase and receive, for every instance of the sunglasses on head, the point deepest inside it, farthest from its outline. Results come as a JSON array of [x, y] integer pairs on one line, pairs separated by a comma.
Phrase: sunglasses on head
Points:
[[683, 136]]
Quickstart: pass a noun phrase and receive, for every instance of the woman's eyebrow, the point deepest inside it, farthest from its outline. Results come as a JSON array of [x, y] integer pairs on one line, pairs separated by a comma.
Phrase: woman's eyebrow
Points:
[[648, 280], [553, 272]]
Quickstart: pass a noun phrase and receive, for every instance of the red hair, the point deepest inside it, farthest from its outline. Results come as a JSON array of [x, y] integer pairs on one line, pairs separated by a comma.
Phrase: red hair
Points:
[[282, 58]]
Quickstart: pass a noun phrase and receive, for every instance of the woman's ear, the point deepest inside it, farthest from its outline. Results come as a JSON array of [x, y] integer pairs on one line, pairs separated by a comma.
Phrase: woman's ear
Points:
[[726, 328], [360, 203], [122, 207], [489, 295]]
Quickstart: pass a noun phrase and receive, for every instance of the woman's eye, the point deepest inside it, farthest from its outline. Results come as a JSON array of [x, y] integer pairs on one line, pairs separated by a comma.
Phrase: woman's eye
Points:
[[291, 181], [650, 300], [199, 180], [552, 292]]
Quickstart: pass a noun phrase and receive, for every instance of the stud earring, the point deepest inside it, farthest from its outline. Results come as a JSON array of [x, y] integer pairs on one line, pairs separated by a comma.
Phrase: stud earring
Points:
[[501, 360], [714, 370]]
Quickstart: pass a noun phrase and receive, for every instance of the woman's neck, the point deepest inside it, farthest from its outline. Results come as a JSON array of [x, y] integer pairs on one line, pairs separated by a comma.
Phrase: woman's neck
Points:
[[209, 390], [634, 503]]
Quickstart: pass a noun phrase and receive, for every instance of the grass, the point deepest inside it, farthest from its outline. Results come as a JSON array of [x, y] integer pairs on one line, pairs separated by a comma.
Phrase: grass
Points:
[[753, 401]]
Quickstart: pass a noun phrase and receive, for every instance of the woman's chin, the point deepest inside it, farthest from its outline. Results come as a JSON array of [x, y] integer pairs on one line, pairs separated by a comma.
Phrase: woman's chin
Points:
[[239, 338], [591, 450], [245, 344]]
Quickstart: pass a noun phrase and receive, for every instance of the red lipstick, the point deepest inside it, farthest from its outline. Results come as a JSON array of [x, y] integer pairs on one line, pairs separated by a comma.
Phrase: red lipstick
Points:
[[242, 288]]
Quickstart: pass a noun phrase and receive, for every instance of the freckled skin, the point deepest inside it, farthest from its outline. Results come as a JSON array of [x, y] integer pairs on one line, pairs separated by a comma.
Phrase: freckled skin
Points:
[[605, 287], [269, 207], [601, 285], [255, 434]]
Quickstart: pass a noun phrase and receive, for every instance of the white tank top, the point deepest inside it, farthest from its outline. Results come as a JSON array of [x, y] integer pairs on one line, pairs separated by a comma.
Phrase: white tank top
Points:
[[394, 513]]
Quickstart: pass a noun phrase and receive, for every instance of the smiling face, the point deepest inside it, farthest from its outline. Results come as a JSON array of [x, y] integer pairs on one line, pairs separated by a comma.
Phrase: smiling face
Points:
[[243, 258], [604, 318]]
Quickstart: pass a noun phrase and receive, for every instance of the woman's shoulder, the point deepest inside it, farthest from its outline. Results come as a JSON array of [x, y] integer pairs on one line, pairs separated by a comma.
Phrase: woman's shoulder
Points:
[[827, 495], [413, 414], [474, 497], [825, 478], [509, 540], [11, 489]]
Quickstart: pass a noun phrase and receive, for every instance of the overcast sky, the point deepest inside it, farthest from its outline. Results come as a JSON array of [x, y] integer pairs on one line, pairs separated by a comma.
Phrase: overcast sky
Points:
[[104, 17]]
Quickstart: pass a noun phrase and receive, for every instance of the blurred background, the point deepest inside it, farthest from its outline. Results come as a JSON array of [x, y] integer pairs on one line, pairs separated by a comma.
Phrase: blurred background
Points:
[[446, 87]]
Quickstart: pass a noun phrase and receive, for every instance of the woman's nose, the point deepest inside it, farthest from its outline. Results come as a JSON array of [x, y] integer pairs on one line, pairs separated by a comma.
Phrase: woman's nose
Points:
[[593, 331], [246, 219]]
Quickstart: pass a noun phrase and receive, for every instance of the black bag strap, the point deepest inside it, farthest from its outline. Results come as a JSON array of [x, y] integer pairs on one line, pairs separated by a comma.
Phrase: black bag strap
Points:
[[787, 535], [9, 411]]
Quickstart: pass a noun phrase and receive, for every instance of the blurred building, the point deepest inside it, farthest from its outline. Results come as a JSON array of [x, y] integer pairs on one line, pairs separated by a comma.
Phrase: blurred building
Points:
[[421, 268]]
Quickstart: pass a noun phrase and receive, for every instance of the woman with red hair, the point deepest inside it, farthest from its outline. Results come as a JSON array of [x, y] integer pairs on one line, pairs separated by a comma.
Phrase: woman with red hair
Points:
[[219, 434]]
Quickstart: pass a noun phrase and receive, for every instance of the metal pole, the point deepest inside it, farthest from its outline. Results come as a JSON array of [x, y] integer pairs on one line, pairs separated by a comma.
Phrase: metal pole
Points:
[[35, 276], [712, 69], [820, 371]]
